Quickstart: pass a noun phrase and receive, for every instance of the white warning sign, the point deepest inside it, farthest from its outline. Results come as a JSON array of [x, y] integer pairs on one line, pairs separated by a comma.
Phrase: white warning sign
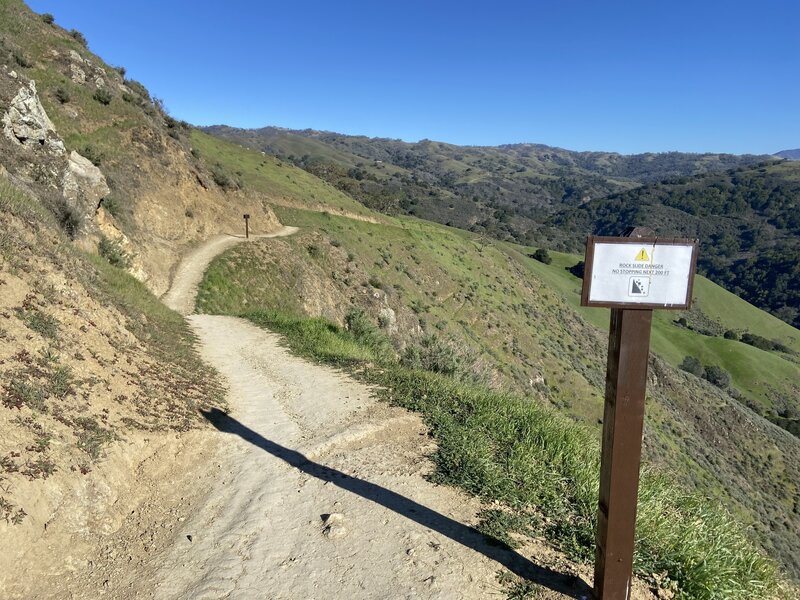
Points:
[[622, 271]]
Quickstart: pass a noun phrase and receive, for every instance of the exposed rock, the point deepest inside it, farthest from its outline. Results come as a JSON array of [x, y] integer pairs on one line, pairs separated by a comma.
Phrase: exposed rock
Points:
[[333, 526], [75, 57], [27, 123], [84, 184], [388, 319], [100, 82], [108, 228], [13, 74], [77, 74]]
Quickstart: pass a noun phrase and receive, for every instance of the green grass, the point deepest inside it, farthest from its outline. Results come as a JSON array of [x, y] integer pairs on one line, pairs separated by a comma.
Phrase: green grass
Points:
[[519, 316], [757, 374], [165, 330], [538, 463], [270, 176]]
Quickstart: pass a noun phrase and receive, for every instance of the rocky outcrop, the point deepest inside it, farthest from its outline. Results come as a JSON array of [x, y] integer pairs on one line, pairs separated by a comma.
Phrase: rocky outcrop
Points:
[[26, 122], [27, 125], [84, 184], [77, 74]]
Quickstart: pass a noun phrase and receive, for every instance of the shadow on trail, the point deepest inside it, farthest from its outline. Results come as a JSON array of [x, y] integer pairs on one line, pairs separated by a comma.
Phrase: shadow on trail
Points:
[[469, 537]]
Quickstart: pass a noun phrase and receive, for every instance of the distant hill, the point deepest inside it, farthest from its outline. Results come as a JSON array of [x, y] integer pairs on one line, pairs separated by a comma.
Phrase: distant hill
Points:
[[789, 154], [747, 221], [506, 191]]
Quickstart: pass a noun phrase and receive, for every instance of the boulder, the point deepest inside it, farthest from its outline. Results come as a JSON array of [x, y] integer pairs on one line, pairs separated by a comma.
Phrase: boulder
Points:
[[27, 123], [84, 184]]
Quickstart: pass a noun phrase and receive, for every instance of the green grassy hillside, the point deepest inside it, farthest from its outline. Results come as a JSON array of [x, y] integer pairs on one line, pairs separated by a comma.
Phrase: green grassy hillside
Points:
[[512, 320], [441, 292], [269, 175], [504, 191]]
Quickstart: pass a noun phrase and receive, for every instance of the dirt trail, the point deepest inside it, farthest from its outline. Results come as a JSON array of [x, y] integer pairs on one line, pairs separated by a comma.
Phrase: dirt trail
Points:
[[181, 295], [316, 490]]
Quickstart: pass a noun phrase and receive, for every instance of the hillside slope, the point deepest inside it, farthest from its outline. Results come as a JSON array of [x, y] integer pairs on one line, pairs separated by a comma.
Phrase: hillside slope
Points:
[[504, 191], [509, 320], [99, 383], [103, 154], [789, 154], [747, 221]]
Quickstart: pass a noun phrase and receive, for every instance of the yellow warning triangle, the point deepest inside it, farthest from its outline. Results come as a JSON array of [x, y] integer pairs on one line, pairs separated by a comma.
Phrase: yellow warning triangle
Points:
[[642, 256]]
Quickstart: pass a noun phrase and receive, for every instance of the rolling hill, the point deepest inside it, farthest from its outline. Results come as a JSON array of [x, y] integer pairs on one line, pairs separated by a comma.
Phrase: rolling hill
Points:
[[789, 154], [95, 371], [515, 321], [747, 221], [506, 191]]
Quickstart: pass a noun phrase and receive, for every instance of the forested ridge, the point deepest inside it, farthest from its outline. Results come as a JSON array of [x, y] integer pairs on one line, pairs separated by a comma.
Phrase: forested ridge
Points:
[[747, 220]]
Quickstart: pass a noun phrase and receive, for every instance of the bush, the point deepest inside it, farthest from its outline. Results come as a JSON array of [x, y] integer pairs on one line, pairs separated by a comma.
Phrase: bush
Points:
[[22, 60], [314, 251], [70, 219], [114, 253], [137, 88], [103, 96], [121, 71], [730, 334], [763, 343], [542, 255], [222, 179], [717, 375], [435, 355], [92, 154], [78, 37], [48, 18], [112, 205], [577, 269], [691, 365], [368, 334], [61, 94]]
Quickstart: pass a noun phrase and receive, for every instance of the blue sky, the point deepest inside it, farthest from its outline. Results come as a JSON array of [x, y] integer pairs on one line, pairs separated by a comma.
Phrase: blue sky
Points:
[[629, 76]]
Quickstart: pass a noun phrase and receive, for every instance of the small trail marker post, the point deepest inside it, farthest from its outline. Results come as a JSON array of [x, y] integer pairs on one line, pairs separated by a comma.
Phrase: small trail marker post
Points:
[[246, 226], [632, 275]]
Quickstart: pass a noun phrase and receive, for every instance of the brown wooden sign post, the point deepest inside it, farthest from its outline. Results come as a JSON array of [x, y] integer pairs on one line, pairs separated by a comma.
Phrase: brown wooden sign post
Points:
[[246, 226], [632, 275]]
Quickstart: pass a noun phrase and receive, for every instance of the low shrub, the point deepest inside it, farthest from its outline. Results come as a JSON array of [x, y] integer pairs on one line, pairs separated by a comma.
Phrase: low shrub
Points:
[[717, 376], [543, 256], [78, 37], [21, 59], [114, 253], [112, 205], [691, 365], [103, 96], [222, 178], [62, 95]]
